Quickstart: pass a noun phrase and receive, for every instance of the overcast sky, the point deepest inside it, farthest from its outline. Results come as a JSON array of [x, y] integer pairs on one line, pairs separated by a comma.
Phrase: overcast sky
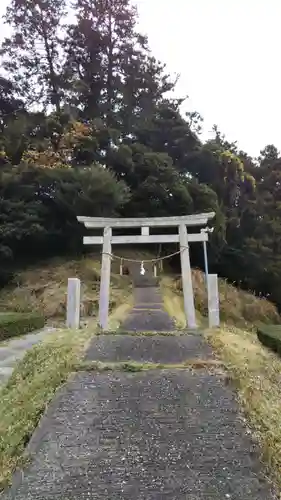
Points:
[[228, 55]]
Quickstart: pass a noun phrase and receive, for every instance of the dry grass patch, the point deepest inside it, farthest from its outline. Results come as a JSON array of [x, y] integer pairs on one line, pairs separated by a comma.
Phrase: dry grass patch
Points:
[[173, 303], [120, 313], [44, 288], [257, 374], [237, 306]]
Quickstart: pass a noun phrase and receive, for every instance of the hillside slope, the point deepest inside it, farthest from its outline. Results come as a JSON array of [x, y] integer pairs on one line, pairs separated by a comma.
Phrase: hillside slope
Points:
[[43, 288], [237, 307]]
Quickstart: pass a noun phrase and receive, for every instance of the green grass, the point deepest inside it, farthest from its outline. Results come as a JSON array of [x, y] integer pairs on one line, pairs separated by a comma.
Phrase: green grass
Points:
[[15, 324], [31, 387]]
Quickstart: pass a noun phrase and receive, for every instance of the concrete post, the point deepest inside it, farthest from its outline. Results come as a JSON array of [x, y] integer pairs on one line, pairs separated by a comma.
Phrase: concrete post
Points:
[[188, 297], [213, 301], [105, 279], [73, 303], [206, 263]]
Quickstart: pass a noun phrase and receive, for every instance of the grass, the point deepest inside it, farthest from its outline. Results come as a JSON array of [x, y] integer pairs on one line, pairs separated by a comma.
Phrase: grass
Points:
[[173, 304], [237, 307], [256, 373], [43, 288], [135, 366], [16, 324], [120, 313], [29, 390], [143, 334]]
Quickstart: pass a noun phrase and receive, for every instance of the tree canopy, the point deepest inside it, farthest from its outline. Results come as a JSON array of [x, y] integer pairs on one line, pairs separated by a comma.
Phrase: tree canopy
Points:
[[89, 126]]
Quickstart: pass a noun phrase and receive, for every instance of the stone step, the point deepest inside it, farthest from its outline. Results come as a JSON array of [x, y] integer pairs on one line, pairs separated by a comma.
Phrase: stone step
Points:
[[150, 295], [148, 321], [152, 349], [145, 281], [156, 435]]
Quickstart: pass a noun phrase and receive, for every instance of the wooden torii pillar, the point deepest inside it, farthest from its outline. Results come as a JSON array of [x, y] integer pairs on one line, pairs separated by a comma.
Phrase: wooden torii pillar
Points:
[[183, 238]]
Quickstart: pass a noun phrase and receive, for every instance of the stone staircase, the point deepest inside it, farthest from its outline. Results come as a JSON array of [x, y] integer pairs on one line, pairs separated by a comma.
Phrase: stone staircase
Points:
[[148, 313]]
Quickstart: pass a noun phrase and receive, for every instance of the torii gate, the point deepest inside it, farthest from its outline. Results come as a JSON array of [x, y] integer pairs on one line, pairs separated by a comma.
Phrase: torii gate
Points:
[[183, 238]]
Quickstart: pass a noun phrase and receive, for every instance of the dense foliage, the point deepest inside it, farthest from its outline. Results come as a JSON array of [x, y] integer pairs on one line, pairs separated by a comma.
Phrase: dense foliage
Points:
[[89, 127]]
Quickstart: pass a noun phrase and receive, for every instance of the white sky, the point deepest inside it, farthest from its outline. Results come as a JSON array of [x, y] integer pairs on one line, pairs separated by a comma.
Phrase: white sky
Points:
[[228, 55]]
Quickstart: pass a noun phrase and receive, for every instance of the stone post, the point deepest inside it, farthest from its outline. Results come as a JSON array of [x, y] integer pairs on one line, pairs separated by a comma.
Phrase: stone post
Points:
[[213, 301], [187, 287], [73, 303], [105, 279]]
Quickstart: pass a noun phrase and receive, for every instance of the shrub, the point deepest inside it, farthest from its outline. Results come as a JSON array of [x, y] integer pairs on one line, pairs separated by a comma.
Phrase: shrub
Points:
[[14, 324], [270, 336]]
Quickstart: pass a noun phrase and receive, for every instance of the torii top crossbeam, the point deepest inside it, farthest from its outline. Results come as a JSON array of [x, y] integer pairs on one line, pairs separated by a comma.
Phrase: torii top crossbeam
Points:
[[187, 220]]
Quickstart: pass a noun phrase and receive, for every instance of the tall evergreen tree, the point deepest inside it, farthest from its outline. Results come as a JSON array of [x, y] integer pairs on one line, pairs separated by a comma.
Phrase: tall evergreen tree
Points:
[[168, 132], [112, 73], [32, 55]]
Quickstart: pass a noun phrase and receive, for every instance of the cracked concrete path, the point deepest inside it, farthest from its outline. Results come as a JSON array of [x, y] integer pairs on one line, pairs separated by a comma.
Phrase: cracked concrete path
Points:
[[13, 350], [153, 435]]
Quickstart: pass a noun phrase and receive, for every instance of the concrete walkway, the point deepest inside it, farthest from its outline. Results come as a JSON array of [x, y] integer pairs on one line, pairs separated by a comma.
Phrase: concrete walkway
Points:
[[170, 434], [14, 349]]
